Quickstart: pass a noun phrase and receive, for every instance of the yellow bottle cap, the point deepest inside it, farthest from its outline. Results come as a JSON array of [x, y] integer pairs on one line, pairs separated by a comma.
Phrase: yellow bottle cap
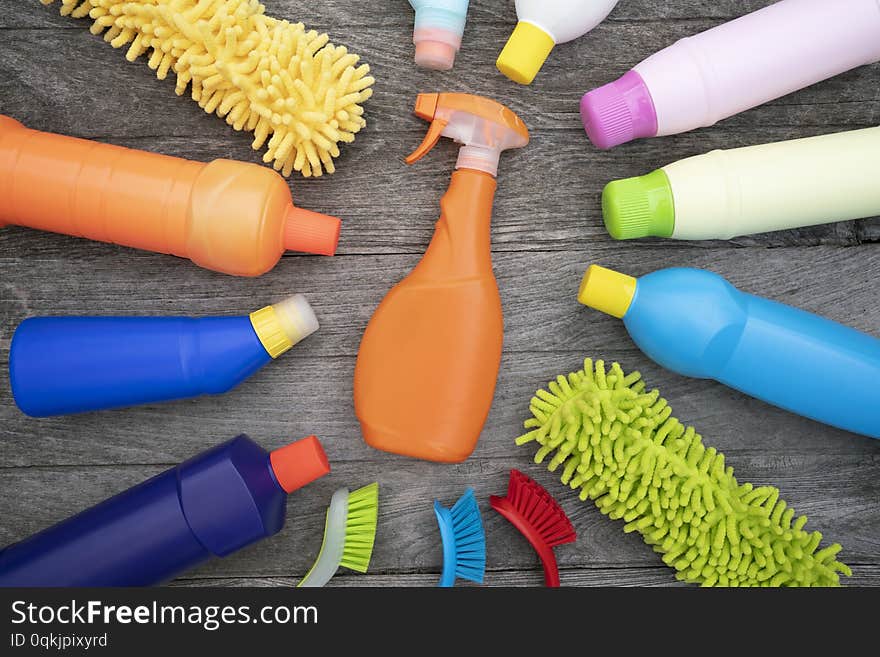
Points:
[[283, 324], [525, 53], [607, 291]]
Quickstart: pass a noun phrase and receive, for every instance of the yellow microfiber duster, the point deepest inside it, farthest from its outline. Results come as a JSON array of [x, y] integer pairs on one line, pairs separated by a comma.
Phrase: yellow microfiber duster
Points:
[[621, 447], [288, 85]]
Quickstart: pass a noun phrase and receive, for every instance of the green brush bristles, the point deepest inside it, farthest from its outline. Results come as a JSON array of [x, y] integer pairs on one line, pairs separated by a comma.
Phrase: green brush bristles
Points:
[[360, 527], [623, 449]]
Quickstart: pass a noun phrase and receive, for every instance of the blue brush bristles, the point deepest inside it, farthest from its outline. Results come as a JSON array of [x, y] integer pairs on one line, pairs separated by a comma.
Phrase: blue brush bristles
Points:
[[464, 540]]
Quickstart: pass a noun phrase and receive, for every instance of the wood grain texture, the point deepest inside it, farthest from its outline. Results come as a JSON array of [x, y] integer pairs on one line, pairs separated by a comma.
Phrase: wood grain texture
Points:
[[547, 228]]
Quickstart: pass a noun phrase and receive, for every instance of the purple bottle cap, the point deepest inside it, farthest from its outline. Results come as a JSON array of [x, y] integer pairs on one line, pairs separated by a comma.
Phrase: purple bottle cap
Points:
[[619, 112]]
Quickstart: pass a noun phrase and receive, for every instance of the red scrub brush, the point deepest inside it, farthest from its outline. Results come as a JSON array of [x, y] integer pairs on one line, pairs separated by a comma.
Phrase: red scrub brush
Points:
[[538, 517]]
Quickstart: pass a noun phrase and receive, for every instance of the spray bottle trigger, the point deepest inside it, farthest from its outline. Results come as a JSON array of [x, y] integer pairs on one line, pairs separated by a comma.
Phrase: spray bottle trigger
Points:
[[431, 139]]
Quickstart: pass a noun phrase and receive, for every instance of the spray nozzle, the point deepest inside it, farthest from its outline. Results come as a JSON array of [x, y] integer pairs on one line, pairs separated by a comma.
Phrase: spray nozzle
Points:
[[484, 127]]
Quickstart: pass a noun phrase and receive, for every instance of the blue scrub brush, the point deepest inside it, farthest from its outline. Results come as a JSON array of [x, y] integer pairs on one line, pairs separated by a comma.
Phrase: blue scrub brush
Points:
[[464, 540]]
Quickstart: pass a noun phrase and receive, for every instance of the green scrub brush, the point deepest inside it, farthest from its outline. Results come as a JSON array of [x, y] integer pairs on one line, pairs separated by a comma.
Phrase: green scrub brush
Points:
[[623, 449], [349, 534]]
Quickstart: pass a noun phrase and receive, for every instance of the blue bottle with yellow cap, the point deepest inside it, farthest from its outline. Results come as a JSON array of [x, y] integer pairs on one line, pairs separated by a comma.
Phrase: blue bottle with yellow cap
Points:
[[60, 365], [695, 323]]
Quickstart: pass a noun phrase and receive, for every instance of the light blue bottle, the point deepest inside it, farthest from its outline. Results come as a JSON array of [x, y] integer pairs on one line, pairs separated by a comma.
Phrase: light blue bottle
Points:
[[697, 324], [438, 31]]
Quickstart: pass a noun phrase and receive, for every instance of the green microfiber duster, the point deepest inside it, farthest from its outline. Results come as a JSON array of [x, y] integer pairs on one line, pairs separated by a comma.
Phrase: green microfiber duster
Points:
[[621, 446]]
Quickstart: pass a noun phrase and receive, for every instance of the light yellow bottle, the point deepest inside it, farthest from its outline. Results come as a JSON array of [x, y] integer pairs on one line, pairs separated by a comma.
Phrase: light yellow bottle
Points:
[[725, 194]]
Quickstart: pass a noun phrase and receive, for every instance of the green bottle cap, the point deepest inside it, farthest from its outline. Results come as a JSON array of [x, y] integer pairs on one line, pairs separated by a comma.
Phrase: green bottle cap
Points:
[[639, 207]]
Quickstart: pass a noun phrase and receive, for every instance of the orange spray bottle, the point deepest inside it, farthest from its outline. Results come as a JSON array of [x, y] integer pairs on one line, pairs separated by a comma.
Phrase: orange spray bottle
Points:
[[232, 217], [428, 362]]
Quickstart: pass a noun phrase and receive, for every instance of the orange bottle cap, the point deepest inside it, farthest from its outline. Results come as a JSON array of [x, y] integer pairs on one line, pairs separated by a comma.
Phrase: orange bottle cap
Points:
[[299, 463], [311, 232], [435, 55]]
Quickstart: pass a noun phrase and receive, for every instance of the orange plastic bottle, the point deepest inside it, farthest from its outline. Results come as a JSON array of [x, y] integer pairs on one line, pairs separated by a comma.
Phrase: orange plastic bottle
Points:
[[428, 362], [232, 217]]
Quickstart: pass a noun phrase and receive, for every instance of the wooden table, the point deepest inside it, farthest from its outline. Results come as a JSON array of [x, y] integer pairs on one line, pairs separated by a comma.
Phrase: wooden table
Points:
[[55, 76]]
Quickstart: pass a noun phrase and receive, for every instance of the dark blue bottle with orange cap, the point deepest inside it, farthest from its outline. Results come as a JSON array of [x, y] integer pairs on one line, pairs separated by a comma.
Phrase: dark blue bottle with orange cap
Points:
[[215, 503]]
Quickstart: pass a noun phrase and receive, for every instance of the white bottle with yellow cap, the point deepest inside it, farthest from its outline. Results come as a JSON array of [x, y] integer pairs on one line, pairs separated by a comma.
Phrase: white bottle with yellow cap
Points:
[[542, 25]]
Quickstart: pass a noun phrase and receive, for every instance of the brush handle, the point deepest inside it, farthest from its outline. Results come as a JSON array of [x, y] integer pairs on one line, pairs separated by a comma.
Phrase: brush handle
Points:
[[548, 559], [333, 545], [447, 540]]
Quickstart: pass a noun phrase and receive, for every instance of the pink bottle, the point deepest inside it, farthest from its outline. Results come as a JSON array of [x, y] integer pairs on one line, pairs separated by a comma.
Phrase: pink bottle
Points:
[[703, 79]]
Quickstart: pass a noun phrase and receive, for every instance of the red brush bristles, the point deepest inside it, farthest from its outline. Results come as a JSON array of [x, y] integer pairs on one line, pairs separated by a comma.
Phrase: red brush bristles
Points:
[[534, 512], [540, 510]]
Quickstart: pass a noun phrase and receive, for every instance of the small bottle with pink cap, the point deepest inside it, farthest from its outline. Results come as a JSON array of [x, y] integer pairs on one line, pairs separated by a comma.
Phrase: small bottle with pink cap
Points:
[[734, 67], [438, 31]]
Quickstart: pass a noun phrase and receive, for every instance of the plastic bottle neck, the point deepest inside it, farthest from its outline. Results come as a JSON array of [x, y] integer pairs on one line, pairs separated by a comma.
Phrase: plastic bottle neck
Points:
[[461, 247], [310, 232], [479, 158]]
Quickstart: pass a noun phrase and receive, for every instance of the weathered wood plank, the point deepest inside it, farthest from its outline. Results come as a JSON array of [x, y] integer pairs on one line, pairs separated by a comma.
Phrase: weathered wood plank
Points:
[[39, 86], [630, 576], [549, 199], [338, 14], [863, 575], [547, 229], [408, 537], [538, 288], [868, 231], [308, 396], [309, 389], [63, 87]]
